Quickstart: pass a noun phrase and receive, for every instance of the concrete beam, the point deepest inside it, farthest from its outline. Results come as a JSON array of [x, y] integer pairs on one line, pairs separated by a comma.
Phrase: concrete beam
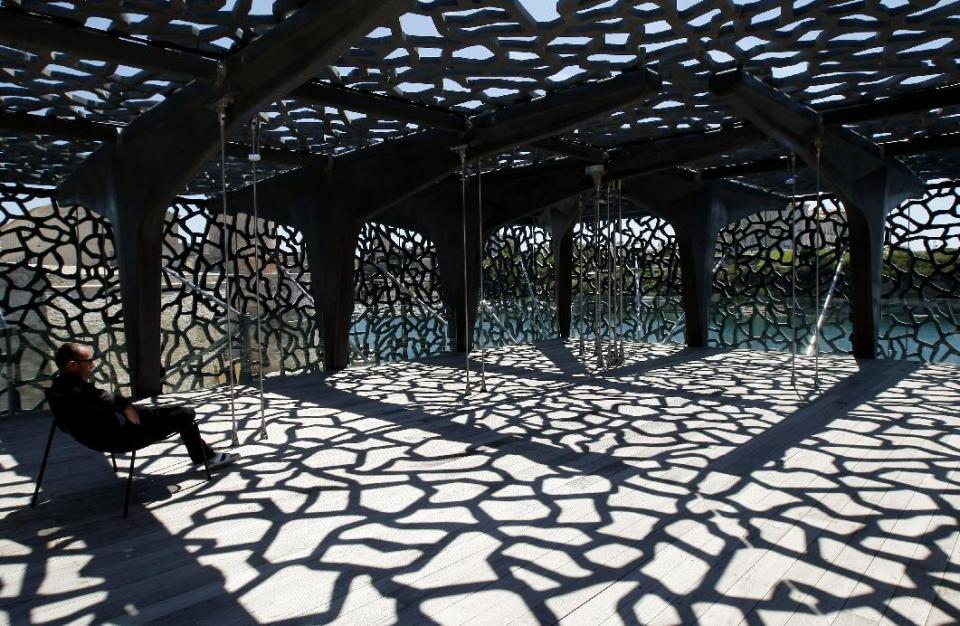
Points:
[[514, 193], [901, 104], [495, 130], [898, 147], [26, 124], [380, 106], [30, 31], [34, 32], [22, 123], [666, 154], [572, 149], [367, 182]]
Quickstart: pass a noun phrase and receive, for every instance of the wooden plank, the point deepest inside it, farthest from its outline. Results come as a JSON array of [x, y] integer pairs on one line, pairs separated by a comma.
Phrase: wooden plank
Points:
[[384, 496]]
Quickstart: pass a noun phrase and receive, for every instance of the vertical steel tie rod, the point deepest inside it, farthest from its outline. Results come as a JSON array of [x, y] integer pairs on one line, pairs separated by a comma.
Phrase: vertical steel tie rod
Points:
[[254, 158], [466, 291], [483, 368], [222, 116]]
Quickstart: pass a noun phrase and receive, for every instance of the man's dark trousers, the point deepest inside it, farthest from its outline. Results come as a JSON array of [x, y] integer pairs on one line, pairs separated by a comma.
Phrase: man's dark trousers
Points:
[[159, 423]]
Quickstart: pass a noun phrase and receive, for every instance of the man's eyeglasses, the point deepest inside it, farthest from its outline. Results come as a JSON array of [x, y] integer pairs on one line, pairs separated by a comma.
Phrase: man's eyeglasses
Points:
[[83, 360]]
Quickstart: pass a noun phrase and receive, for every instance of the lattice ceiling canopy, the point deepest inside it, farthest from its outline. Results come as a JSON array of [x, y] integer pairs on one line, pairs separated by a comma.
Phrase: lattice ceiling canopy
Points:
[[467, 57]]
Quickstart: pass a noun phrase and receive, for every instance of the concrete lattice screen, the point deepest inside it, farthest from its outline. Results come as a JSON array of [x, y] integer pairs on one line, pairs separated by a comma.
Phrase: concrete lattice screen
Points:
[[398, 307], [519, 282], [194, 298], [58, 279], [46, 297], [817, 52], [650, 267], [753, 293]]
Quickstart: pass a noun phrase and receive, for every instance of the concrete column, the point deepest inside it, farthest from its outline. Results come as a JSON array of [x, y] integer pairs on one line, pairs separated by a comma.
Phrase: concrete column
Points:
[[138, 238], [562, 218], [331, 247], [138, 244], [866, 261], [696, 233], [867, 201], [445, 229]]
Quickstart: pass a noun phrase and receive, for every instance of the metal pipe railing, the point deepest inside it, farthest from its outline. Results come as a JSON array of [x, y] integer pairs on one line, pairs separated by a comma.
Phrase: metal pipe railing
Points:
[[497, 319], [195, 288], [296, 283], [396, 281], [826, 303]]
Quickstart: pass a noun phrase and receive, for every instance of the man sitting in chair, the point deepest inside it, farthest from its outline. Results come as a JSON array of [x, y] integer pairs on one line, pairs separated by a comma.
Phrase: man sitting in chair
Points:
[[112, 421]]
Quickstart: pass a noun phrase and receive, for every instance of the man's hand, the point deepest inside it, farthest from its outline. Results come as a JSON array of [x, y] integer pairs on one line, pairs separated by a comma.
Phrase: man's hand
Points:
[[131, 414]]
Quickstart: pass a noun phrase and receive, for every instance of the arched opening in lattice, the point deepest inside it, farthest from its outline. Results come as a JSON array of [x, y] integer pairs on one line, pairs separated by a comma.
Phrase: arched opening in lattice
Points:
[[765, 280], [650, 267], [58, 282], [920, 313], [519, 287], [398, 309], [194, 303]]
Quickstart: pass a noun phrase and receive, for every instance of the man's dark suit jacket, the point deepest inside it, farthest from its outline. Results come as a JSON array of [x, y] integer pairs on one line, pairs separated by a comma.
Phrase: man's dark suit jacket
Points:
[[93, 416]]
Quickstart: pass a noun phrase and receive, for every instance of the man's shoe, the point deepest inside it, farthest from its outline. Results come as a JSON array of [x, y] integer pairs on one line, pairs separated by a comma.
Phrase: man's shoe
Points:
[[221, 459]]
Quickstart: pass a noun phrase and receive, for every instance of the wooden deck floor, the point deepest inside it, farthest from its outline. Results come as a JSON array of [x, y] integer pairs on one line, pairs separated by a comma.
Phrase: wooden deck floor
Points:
[[689, 486]]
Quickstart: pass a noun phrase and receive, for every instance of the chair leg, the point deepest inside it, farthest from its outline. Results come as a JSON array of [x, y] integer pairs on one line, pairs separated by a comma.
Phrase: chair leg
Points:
[[126, 499], [113, 459], [43, 464]]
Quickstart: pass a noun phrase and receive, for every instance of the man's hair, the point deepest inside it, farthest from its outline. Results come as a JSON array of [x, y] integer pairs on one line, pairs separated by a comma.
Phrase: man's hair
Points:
[[69, 352]]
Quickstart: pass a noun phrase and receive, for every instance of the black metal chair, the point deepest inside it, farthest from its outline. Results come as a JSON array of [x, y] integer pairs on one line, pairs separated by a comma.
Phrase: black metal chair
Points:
[[59, 410]]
